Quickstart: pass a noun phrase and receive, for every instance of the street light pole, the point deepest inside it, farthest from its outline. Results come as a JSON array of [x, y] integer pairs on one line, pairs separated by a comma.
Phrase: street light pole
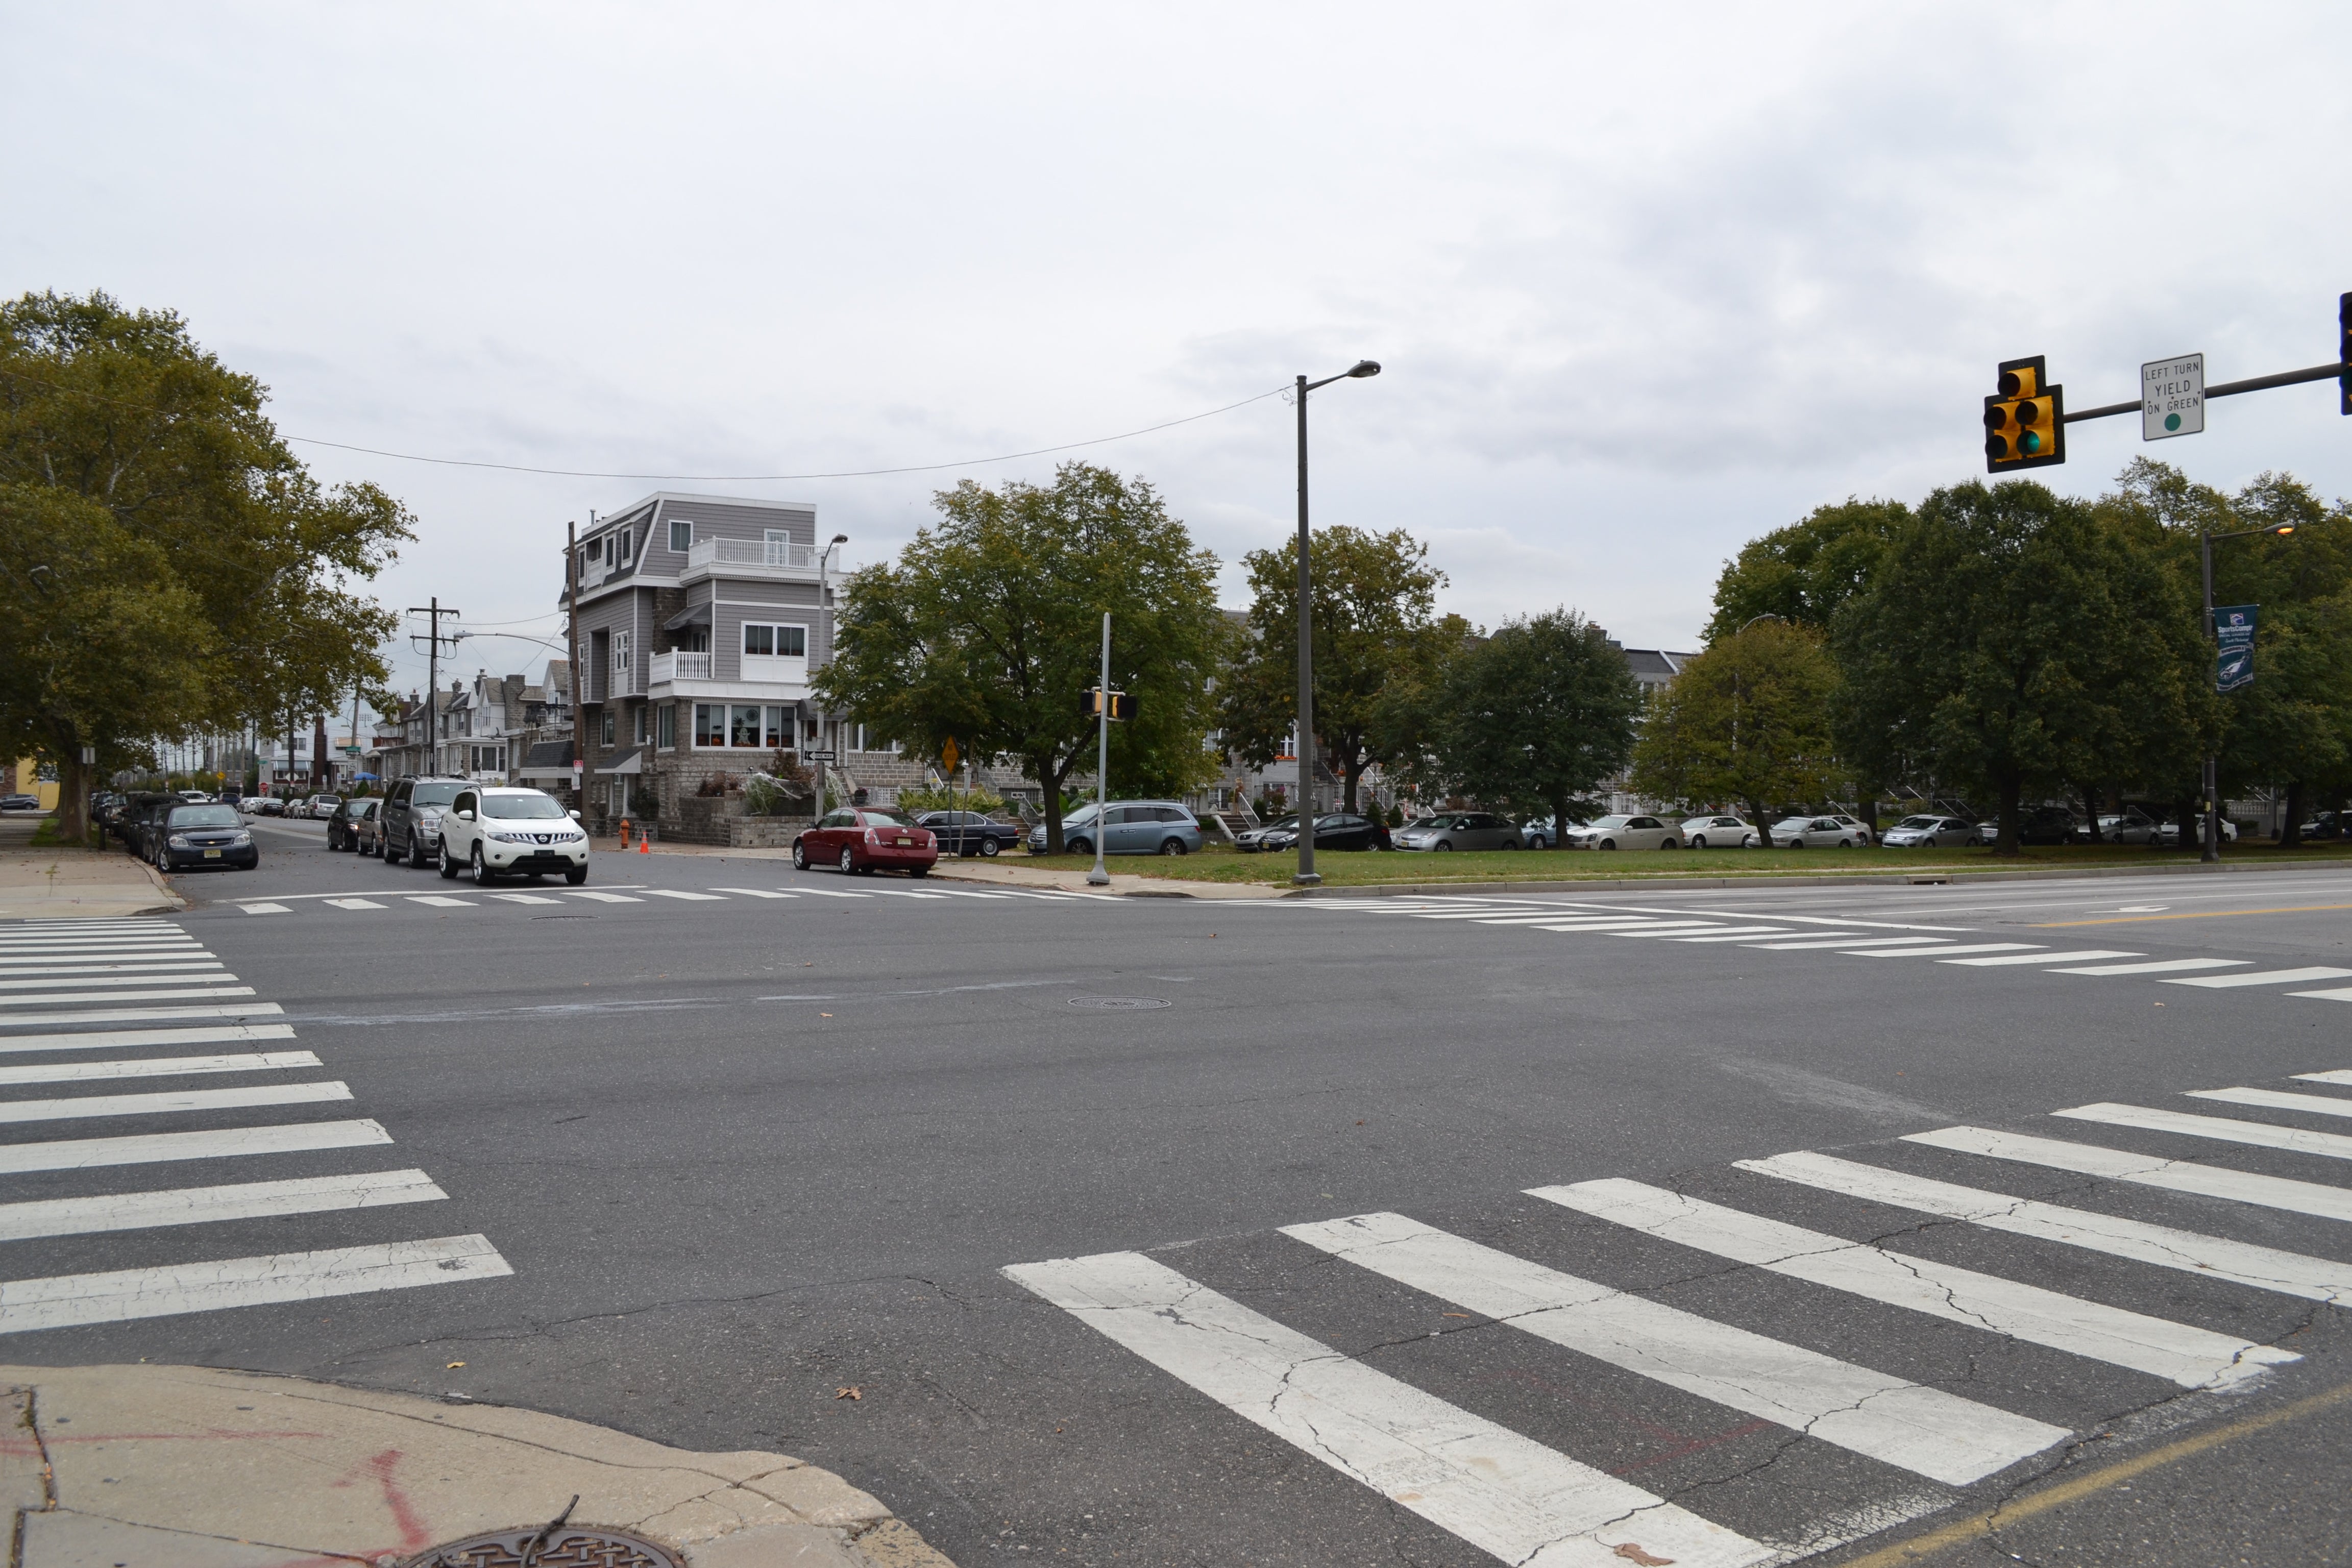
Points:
[[1098, 877], [1306, 876], [2211, 849]]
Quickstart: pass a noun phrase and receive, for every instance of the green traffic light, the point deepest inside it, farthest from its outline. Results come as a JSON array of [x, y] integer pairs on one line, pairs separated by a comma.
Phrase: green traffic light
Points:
[[2029, 443]]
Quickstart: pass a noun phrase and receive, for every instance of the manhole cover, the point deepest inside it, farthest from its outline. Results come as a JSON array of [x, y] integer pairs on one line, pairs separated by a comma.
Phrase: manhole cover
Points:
[[1118, 1003], [565, 1547]]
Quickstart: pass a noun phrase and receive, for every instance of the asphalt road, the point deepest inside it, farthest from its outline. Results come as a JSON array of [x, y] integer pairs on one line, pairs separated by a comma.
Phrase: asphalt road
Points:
[[743, 1155]]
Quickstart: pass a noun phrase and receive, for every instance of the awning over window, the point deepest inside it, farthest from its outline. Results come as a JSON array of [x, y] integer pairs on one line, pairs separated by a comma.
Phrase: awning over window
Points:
[[692, 615], [630, 763]]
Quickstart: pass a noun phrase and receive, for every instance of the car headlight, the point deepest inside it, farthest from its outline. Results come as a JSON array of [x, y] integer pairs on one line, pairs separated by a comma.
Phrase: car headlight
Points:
[[179, 841], [239, 839]]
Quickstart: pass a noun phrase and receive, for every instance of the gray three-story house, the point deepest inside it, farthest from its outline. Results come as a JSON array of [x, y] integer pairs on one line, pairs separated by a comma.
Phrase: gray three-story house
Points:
[[700, 620]]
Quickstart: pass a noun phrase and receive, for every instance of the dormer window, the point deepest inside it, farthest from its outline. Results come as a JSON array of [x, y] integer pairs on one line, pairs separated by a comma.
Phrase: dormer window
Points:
[[681, 535]]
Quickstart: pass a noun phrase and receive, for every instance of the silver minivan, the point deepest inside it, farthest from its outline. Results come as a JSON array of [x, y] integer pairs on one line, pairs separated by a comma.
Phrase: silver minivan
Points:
[[1130, 827]]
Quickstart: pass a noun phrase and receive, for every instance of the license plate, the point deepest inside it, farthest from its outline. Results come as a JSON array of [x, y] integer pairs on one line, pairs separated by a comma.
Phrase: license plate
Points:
[[904, 842], [212, 854]]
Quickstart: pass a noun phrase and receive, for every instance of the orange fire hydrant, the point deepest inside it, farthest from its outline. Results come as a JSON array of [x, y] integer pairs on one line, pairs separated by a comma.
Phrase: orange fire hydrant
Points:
[[624, 833]]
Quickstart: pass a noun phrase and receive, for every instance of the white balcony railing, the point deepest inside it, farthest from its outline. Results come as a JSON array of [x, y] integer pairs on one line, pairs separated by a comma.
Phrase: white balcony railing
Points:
[[681, 666], [776, 555]]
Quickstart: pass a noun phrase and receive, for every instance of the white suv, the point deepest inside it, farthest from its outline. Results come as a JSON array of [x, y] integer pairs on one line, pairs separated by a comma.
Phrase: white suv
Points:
[[492, 831]]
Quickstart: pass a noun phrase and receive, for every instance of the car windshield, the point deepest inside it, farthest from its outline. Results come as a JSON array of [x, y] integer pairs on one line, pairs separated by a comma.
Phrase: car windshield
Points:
[[1610, 821], [1916, 821], [533, 806], [204, 816], [884, 819], [435, 793], [1289, 822], [1079, 818]]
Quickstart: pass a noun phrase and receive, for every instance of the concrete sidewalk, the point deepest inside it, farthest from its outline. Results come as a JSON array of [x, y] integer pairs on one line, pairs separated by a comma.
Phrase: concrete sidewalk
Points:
[[67, 880], [176, 1467]]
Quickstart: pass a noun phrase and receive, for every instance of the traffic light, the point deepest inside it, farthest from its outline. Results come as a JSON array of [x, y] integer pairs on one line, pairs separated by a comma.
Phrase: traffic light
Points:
[[1122, 704], [2344, 347], [2025, 421]]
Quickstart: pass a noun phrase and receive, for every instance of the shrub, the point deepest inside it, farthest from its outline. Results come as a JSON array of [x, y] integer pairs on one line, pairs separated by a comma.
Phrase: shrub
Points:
[[927, 797]]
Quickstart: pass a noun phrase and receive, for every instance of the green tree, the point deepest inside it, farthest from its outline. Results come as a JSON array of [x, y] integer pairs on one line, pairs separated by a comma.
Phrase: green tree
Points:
[[1538, 714], [104, 409], [2012, 640], [1806, 571], [1746, 721], [989, 626], [1376, 631]]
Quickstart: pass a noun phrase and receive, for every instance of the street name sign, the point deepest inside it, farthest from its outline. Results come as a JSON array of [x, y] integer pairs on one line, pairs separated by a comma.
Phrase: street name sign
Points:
[[2172, 398]]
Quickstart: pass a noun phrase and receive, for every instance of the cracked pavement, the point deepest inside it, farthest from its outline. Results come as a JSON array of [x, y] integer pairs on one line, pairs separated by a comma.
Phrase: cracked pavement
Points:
[[722, 1207]]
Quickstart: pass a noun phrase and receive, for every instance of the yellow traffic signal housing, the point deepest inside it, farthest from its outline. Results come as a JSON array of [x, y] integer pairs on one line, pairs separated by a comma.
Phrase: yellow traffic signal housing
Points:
[[1122, 704], [2025, 421]]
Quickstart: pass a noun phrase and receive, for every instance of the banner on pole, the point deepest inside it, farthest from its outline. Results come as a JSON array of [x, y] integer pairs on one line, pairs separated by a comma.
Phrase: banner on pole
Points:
[[2233, 662]]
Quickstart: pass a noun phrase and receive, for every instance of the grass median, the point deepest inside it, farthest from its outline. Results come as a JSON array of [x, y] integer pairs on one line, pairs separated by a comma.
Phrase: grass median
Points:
[[1222, 863]]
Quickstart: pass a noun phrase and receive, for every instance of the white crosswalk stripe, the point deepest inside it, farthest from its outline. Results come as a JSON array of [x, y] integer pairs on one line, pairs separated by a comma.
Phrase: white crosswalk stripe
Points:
[[2158, 967], [84, 996], [1504, 1493], [1954, 949], [1414, 1447], [2278, 1100], [1926, 1430], [2018, 958], [2262, 977]]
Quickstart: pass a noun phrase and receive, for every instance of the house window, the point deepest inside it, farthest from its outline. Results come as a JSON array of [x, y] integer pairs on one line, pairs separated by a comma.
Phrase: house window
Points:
[[709, 724], [866, 743], [605, 732], [681, 536], [766, 640], [641, 720], [665, 727], [744, 726], [621, 544], [777, 735]]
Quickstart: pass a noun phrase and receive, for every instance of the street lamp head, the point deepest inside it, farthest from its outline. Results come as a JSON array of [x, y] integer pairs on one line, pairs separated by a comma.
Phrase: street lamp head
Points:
[[840, 539], [2284, 528], [1365, 367]]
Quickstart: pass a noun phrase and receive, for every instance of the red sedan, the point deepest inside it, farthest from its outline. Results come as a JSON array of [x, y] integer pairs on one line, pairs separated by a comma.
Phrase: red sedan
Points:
[[866, 840]]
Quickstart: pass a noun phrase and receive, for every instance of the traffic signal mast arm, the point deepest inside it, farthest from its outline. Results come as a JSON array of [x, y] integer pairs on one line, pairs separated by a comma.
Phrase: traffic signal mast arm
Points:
[[2226, 389]]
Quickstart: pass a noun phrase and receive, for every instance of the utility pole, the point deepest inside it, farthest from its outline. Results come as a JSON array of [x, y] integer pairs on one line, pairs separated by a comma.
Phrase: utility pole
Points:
[[433, 641], [1306, 876], [572, 643]]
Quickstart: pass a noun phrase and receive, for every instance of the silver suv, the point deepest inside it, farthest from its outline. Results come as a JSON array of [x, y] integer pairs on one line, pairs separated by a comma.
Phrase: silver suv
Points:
[[411, 830]]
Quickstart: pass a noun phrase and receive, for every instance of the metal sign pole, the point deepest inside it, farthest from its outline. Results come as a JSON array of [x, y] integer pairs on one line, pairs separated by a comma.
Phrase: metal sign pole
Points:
[[1098, 877]]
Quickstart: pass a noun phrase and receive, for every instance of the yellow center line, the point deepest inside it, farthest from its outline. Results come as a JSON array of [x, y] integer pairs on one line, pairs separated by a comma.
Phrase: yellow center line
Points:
[[2205, 915], [1977, 1526]]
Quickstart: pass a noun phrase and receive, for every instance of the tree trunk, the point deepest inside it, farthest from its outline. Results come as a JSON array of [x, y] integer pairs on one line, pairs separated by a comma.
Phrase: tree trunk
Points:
[[1353, 771], [1045, 774], [2012, 792], [73, 791], [2291, 830], [1558, 839], [1763, 823], [2091, 811], [1870, 817]]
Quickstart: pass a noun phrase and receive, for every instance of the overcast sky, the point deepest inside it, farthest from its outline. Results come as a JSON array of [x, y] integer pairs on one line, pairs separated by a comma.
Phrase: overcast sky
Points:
[[1646, 281]]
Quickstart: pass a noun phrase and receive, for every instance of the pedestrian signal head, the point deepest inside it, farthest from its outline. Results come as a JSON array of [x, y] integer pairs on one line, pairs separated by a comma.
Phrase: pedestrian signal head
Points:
[[2025, 421]]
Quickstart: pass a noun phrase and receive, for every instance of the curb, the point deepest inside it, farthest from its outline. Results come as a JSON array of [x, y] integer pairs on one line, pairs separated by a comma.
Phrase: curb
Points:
[[196, 1465], [1952, 877]]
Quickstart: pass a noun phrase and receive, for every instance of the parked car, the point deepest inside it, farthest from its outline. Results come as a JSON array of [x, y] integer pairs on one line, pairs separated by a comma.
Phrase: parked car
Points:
[[367, 830], [20, 802], [263, 806], [141, 824], [1254, 840], [410, 819], [2169, 833], [193, 797], [1817, 832], [1130, 827], [319, 807], [2328, 825], [1542, 833], [344, 822], [864, 839], [491, 831], [969, 832], [1619, 831], [1931, 833], [2131, 826], [184, 835], [1719, 833], [2041, 824], [1333, 830], [1459, 830]]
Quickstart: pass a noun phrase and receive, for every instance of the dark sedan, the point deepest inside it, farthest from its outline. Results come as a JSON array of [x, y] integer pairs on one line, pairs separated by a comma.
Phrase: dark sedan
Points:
[[352, 826], [209, 835], [969, 833]]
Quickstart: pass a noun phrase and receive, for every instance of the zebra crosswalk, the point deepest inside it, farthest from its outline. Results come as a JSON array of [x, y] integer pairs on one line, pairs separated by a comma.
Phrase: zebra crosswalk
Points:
[[1862, 1303], [1855, 937], [84, 973], [487, 901]]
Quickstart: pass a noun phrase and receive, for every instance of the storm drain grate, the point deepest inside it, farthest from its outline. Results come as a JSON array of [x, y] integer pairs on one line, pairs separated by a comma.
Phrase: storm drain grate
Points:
[[563, 1547], [1119, 1003]]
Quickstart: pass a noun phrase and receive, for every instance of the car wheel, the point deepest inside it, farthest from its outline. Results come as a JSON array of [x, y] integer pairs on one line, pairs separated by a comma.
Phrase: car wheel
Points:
[[416, 852], [988, 848], [1846, 843], [1079, 847], [1441, 844], [848, 861], [800, 856], [483, 877], [1609, 844], [1698, 841], [1798, 842], [448, 867], [1750, 842], [576, 875], [1665, 844], [1509, 844], [1173, 847]]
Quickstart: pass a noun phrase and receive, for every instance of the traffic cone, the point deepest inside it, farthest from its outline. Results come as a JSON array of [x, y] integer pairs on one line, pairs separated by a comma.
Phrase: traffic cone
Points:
[[642, 850]]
